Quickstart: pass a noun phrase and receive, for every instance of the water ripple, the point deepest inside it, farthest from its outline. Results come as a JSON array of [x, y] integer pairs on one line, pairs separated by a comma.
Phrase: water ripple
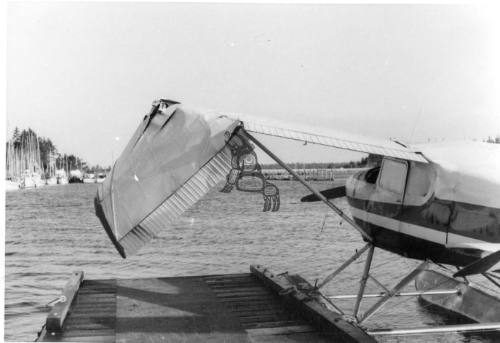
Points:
[[52, 231]]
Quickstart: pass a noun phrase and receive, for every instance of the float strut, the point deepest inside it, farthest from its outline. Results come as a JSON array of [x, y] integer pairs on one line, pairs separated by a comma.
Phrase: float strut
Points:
[[491, 279], [401, 284], [364, 278], [475, 327], [402, 294], [343, 266]]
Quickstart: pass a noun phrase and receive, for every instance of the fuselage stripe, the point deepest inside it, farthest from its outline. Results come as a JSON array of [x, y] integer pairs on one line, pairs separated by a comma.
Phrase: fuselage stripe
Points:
[[421, 232]]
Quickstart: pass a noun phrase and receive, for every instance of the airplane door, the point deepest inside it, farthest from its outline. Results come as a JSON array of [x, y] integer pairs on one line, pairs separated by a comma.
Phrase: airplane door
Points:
[[387, 204], [426, 218], [391, 187]]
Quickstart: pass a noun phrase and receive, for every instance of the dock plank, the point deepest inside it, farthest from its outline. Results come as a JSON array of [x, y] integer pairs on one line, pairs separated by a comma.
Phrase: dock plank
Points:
[[232, 308], [91, 318], [274, 324], [298, 337], [173, 310], [282, 330]]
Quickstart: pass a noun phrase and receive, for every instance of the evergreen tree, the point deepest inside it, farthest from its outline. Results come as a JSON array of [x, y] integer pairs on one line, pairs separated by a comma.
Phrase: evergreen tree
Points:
[[15, 135]]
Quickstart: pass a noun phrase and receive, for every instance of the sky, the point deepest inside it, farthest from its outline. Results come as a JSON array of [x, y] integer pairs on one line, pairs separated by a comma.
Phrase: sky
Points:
[[85, 74]]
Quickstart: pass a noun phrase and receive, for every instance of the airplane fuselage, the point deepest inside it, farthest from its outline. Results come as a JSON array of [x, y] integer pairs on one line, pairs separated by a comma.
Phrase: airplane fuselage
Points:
[[398, 206]]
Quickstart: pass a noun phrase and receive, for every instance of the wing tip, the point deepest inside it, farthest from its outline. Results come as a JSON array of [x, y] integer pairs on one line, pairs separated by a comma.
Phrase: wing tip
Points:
[[102, 217]]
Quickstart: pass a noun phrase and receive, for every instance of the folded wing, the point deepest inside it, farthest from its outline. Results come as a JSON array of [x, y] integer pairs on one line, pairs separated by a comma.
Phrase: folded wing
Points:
[[178, 154]]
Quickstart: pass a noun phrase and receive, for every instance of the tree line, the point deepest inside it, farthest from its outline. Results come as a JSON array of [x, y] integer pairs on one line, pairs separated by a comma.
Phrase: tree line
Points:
[[50, 157], [368, 161], [495, 140], [362, 163]]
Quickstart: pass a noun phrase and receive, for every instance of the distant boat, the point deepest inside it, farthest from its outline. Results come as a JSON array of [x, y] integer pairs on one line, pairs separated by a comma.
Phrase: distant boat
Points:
[[31, 180], [51, 181], [23, 162], [11, 185], [75, 176], [62, 180], [61, 177], [89, 178], [100, 177]]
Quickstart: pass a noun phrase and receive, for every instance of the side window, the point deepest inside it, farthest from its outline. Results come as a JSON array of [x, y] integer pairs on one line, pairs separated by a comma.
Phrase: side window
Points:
[[393, 176], [419, 180]]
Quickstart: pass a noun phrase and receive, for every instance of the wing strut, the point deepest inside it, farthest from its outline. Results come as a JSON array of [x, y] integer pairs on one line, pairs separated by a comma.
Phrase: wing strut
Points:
[[332, 193], [337, 210]]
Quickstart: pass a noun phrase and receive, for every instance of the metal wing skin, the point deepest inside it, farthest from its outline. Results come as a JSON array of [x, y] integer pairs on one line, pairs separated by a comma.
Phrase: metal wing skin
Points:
[[177, 154], [341, 140]]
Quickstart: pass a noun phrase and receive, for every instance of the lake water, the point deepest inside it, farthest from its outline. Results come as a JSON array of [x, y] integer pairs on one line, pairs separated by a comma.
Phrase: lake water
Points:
[[52, 231]]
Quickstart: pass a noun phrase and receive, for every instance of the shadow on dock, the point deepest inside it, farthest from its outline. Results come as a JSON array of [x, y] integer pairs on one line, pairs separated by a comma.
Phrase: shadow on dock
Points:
[[247, 307]]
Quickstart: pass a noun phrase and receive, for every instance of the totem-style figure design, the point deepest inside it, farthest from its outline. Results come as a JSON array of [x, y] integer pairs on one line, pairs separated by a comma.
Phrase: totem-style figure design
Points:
[[246, 174]]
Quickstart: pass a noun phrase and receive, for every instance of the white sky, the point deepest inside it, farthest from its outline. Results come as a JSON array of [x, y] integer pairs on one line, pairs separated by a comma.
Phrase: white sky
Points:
[[85, 73]]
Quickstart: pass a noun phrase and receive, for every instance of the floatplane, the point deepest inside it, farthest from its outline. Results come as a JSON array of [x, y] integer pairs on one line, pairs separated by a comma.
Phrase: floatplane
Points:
[[438, 203]]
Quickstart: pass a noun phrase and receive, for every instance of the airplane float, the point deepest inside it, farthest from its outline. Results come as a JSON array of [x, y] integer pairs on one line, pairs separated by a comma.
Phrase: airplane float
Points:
[[439, 203]]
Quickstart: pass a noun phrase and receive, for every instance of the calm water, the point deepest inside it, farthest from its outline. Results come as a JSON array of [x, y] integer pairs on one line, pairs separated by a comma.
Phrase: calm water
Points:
[[53, 231]]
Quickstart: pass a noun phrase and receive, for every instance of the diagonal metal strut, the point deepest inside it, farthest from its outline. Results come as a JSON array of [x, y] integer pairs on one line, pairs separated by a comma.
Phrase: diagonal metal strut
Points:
[[364, 278], [401, 284], [337, 210], [343, 266], [366, 272]]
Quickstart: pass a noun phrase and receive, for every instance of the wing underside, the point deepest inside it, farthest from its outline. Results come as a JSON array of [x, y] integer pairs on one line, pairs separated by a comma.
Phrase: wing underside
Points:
[[175, 205], [332, 139]]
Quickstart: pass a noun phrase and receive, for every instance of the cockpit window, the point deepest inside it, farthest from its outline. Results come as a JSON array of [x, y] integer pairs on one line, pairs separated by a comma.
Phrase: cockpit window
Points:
[[393, 175], [372, 175]]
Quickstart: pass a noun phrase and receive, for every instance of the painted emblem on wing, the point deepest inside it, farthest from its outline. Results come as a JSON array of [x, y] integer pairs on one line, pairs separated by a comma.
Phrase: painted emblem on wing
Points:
[[246, 174]]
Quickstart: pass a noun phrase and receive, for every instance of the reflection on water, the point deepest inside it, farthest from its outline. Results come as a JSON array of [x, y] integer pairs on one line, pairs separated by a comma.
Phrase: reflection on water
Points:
[[52, 231]]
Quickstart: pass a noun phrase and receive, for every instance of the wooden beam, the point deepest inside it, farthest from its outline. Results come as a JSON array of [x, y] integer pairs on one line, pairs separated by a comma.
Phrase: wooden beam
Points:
[[309, 307], [56, 317]]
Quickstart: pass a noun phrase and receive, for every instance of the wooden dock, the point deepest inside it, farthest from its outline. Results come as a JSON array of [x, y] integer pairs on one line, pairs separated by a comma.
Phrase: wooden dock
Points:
[[250, 307]]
